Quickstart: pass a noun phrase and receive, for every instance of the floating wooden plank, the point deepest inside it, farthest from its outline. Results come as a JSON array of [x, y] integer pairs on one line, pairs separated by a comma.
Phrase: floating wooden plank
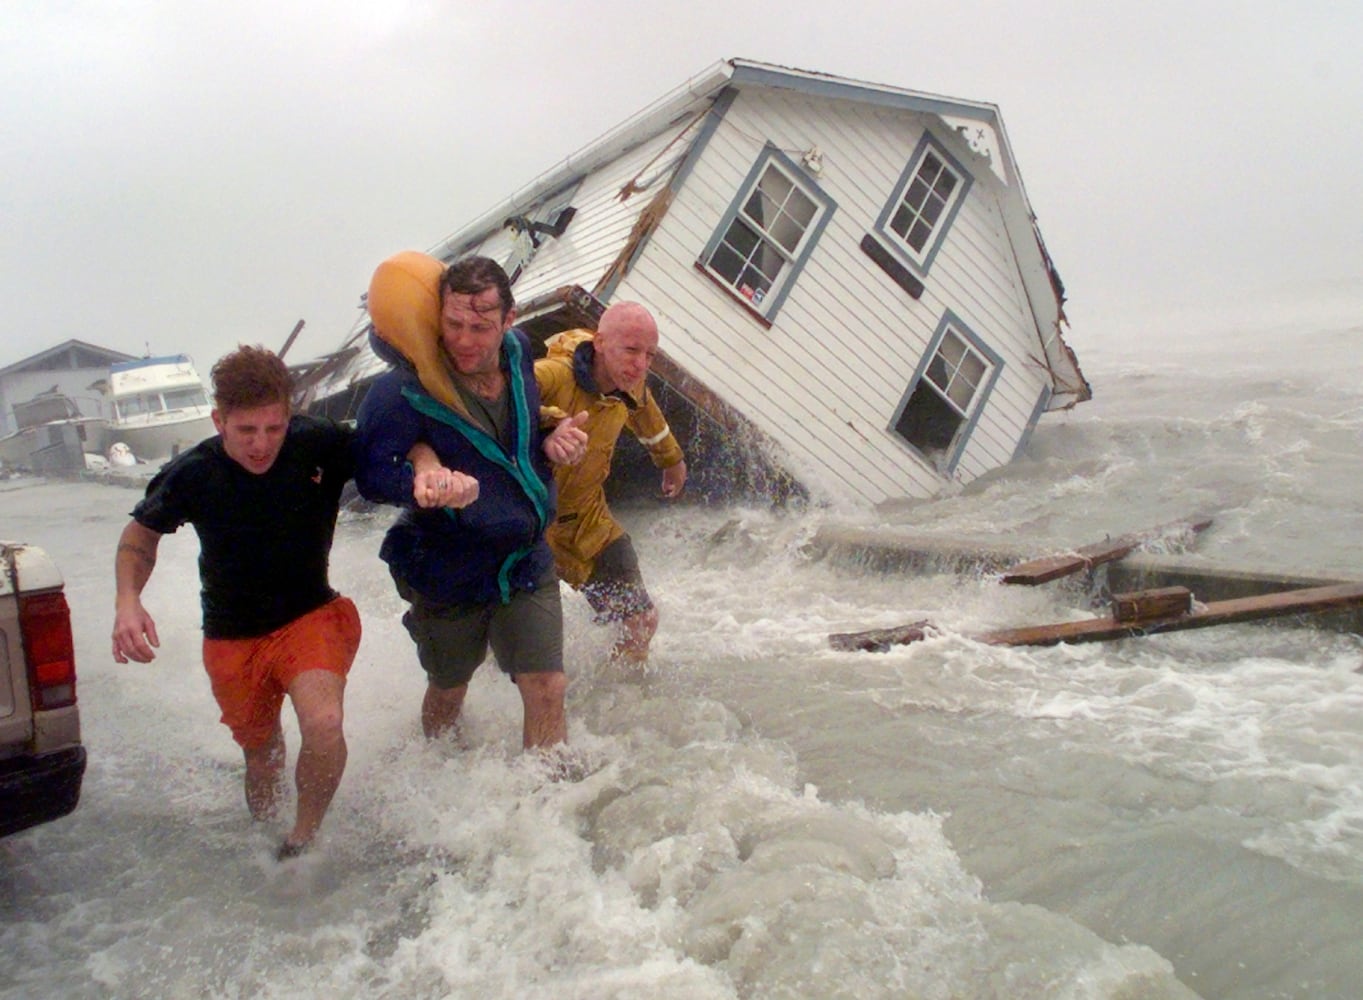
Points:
[[1241, 609], [1312, 600], [1142, 605], [1047, 568], [880, 639]]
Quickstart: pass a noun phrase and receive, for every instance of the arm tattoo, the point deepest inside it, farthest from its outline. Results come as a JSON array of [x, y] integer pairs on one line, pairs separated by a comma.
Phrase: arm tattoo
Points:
[[143, 555]]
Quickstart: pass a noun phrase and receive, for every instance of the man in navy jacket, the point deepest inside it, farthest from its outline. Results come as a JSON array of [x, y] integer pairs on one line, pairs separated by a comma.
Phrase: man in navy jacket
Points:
[[469, 552]]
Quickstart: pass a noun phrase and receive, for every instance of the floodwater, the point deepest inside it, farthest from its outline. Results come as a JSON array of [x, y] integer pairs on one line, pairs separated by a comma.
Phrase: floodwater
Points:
[[762, 816]]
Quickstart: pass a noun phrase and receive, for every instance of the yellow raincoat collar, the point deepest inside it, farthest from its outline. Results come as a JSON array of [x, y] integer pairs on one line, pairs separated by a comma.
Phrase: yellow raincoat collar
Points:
[[577, 349]]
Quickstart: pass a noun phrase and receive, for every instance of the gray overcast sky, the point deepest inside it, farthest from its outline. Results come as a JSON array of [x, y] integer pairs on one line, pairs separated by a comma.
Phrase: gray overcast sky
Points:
[[184, 176]]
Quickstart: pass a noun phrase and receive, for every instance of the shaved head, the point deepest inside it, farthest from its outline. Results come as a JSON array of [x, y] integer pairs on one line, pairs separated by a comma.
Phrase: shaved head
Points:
[[626, 316], [626, 342]]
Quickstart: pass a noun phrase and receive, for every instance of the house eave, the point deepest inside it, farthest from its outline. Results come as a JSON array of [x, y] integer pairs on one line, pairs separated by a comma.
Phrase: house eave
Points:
[[626, 135]]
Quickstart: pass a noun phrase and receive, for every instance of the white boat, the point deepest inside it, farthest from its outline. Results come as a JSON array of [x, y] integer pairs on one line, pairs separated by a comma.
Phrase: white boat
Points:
[[53, 435], [158, 406]]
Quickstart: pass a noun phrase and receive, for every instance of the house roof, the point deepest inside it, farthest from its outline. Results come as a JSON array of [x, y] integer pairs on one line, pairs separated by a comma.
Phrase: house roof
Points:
[[68, 356], [703, 88]]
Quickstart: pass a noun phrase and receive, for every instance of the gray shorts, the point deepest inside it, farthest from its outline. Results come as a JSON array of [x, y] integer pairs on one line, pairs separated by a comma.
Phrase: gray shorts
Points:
[[452, 640], [616, 588]]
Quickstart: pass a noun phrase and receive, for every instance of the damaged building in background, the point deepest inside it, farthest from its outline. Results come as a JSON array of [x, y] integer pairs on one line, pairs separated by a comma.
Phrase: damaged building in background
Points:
[[854, 300]]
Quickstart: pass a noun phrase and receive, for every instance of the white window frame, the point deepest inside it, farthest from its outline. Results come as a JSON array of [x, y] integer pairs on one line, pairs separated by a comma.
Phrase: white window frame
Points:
[[789, 260], [939, 376], [932, 158]]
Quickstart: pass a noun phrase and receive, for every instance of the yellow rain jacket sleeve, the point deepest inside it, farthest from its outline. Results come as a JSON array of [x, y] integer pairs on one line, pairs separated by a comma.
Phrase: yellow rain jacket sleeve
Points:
[[585, 524]]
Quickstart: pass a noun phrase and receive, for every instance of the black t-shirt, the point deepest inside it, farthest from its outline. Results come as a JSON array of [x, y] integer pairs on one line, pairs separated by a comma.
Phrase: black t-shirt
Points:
[[264, 539]]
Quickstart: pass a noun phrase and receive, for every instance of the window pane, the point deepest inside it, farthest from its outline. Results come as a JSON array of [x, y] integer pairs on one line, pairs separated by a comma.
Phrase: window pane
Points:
[[769, 262], [973, 368], [786, 231], [742, 237], [961, 393], [946, 183], [179, 398], [801, 208], [903, 218], [727, 263], [918, 236], [753, 285], [927, 422], [932, 211], [937, 372], [760, 208], [917, 193], [953, 348], [775, 185]]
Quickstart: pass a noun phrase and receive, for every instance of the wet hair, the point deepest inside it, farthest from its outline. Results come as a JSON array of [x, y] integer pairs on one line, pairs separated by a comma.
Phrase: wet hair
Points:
[[475, 275], [250, 377]]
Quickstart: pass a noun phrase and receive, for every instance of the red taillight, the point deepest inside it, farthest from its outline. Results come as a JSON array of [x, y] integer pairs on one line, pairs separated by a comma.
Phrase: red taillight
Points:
[[45, 620]]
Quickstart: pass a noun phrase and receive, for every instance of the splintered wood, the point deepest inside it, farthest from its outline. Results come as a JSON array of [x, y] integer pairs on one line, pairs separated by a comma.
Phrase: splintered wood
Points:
[[1143, 605], [1144, 612], [1312, 600], [1048, 568]]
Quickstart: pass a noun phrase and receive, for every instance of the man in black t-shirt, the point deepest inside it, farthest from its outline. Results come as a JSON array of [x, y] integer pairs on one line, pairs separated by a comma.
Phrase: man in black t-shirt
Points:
[[263, 497]]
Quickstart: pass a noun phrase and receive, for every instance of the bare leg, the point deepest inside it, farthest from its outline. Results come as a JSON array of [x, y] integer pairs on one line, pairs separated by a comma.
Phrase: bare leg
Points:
[[264, 773], [546, 723], [440, 709], [636, 633], [317, 698]]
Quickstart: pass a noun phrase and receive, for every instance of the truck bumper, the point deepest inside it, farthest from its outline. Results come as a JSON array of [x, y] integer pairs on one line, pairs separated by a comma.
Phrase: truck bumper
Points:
[[36, 790]]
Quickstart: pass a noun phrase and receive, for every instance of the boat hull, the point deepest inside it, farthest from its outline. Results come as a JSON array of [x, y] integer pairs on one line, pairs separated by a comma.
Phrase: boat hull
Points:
[[160, 439]]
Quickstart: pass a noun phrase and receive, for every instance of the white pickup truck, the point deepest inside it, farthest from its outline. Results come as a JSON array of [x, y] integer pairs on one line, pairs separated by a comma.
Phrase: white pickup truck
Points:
[[42, 761]]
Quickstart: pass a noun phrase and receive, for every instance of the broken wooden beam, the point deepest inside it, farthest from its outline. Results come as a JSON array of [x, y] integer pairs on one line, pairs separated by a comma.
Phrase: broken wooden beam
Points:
[[1243, 609], [1047, 568], [878, 640], [1312, 600], [1143, 605]]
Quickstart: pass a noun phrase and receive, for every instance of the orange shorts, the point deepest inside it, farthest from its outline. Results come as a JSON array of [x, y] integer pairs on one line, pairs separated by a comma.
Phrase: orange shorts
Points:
[[251, 676]]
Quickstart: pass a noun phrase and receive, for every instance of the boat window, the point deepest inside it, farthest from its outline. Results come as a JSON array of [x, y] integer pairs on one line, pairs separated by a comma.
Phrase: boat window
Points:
[[924, 204], [136, 406], [178, 399], [765, 237], [946, 394]]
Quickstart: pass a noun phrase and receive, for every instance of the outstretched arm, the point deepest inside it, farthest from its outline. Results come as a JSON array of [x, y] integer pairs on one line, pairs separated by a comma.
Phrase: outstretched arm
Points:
[[134, 631]]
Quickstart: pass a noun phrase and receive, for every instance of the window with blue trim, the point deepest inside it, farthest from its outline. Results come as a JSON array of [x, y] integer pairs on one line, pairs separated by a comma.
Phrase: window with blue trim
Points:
[[767, 234], [946, 394], [925, 202]]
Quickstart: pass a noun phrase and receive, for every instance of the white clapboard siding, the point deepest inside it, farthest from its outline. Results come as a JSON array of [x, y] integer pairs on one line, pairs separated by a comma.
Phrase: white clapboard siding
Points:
[[601, 227], [825, 379], [595, 237], [591, 180]]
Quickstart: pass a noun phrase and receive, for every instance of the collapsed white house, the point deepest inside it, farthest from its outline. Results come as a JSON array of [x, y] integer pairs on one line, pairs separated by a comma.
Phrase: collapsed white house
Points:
[[855, 301]]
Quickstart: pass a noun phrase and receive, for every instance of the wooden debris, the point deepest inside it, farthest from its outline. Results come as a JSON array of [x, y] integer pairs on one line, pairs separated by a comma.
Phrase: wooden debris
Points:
[[1143, 605], [880, 639], [1047, 568], [1241, 609], [1311, 600]]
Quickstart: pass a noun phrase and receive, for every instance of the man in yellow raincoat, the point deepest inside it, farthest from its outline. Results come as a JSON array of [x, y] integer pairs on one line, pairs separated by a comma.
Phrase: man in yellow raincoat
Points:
[[604, 375]]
